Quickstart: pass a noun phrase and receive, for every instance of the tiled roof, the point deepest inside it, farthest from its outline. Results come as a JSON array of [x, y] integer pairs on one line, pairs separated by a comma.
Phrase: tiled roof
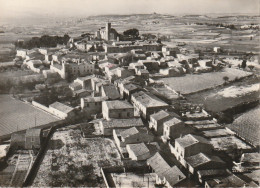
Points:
[[115, 123], [148, 100], [138, 149], [61, 107], [160, 115], [117, 104], [190, 139], [111, 91]]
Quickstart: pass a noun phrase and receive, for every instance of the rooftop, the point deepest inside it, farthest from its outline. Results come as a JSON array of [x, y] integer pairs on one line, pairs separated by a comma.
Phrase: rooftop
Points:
[[61, 107], [114, 123], [117, 104], [131, 87], [111, 91], [190, 139], [160, 115], [173, 121], [201, 158], [250, 157], [139, 149], [95, 99], [218, 133], [148, 100]]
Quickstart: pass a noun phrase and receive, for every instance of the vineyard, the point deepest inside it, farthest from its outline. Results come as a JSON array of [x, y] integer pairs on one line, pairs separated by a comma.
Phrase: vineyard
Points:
[[16, 115]]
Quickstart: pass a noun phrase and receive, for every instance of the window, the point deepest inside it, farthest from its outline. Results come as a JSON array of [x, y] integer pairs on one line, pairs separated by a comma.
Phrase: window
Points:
[[128, 114], [119, 115], [87, 105], [32, 139]]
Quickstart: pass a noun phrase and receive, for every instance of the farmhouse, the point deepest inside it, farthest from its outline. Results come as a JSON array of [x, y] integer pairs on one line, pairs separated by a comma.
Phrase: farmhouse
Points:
[[107, 126], [146, 104], [117, 109], [61, 110]]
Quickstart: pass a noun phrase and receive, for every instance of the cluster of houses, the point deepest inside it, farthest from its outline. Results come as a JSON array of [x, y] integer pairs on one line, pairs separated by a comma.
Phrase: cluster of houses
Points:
[[112, 83]]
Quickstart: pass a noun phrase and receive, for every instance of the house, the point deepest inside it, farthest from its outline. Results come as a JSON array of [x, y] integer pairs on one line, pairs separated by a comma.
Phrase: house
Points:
[[82, 83], [33, 138], [174, 128], [204, 175], [150, 65], [106, 126], [172, 71], [201, 161], [146, 104], [117, 109], [189, 145], [35, 65], [229, 181], [126, 90], [17, 141], [217, 49], [21, 53], [138, 152], [143, 73], [157, 120], [82, 93], [249, 162], [166, 175], [132, 135], [110, 91], [141, 151], [92, 105], [61, 110]]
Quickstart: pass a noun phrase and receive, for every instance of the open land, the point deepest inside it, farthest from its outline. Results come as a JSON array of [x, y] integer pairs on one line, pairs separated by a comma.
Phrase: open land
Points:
[[192, 83], [75, 161], [16, 115]]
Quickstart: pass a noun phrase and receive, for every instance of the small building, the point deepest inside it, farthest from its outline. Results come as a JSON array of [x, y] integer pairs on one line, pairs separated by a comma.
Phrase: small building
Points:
[[61, 110], [33, 138], [173, 128], [106, 126], [172, 71], [201, 161], [157, 120], [146, 104], [126, 90], [189, 145], [110, 91], [204, 175], [217, 49], [92, 105], [132, 135], [117, 109], [166, 175]]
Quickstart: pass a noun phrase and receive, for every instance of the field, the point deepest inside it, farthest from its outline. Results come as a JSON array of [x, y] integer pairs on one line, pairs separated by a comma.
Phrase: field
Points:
[[16, 115], [192, 83], [24, 76], [75, 161], [247, 126]]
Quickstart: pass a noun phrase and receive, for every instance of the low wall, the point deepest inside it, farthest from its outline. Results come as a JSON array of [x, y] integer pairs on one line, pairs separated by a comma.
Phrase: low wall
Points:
[[38, 105]]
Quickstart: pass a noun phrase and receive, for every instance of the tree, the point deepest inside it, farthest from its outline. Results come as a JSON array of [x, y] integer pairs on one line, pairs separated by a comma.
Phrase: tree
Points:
[[243, 64], [134, 33], [225, 78]]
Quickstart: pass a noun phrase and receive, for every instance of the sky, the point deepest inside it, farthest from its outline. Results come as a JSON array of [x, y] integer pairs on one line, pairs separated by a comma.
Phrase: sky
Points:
[[27, 8]]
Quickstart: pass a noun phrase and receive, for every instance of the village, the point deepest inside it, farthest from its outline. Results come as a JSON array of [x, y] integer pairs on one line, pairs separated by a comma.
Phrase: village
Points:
[[127, 110]]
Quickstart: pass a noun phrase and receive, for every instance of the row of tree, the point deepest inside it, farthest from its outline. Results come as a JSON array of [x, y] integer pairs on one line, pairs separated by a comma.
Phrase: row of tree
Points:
[[43, 41]]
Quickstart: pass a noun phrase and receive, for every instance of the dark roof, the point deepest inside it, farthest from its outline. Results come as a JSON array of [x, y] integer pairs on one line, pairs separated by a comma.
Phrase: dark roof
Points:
[[131, 87], [111, 91], [160, 115], [172, 174], [117, 104], [191, 139], [115, 123], [201, 159]]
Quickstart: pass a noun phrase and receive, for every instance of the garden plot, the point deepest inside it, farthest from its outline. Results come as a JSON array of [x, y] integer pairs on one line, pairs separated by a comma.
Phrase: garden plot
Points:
[[192, 83], [76, 161], [231, 97]]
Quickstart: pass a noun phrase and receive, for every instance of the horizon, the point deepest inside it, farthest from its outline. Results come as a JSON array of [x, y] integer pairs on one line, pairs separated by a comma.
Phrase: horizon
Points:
[[24, 9]]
